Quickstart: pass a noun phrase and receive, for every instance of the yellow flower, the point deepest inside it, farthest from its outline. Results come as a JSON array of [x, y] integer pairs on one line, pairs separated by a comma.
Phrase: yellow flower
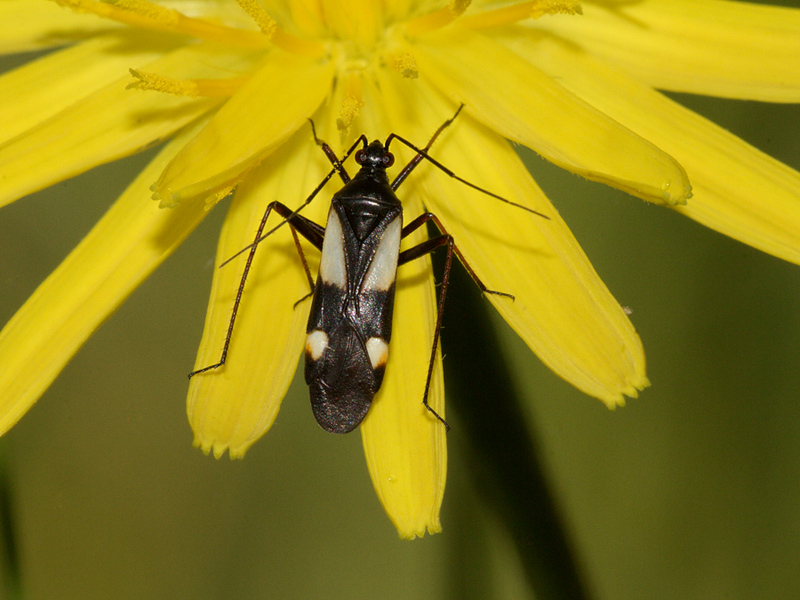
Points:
[[231, 86]]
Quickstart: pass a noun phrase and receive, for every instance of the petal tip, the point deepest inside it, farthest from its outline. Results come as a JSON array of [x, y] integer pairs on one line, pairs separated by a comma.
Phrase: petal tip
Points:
[[412, 533], [673, 197], [631, 391], [218, 448], [164, 201]]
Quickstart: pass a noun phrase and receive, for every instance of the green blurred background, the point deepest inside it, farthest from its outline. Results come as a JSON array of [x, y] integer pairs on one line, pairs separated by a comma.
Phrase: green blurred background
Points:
[[690, 491]]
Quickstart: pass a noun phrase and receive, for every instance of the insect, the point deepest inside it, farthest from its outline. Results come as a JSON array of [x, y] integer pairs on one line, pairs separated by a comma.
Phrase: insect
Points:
[[350, 321]]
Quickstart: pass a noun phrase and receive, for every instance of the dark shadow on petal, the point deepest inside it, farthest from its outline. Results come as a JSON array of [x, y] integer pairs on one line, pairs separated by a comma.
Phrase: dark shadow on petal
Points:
[[501, 450]]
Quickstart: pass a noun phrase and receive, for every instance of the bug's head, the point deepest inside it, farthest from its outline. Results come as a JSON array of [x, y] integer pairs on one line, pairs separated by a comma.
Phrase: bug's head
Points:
[[376, 155]]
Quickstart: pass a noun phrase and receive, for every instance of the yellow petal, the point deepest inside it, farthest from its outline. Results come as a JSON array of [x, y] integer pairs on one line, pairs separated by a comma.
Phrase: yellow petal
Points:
[[272, 105], [42, 88], [712, 47], [126, 245], [739, 190], [26, 25], [110, 123], [404, 444], [523, 104], [562, 309], [231, 407], [358, 21]]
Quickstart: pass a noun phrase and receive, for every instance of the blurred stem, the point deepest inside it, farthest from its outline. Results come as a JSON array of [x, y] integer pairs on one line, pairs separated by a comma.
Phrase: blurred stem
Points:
[[9, 568], [504, 457]]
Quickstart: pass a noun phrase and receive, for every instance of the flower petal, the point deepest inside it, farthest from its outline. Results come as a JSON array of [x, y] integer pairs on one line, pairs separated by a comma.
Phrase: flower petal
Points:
[[272, 105], [562, 309], [739, 190], [358, 21], [526, 106], [231, 407], [25, 26], [711, 47], [108, 124], [126, 245], [40, 89], [404, 444]]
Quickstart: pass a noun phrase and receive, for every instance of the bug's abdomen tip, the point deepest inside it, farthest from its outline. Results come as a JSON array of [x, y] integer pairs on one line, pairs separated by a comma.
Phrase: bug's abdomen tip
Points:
[[342, 414]]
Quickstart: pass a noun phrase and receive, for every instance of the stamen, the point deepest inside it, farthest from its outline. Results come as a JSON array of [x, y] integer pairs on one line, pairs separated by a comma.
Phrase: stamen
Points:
[[522, 11], [439, 18], [159, 83], [553, 7], [210, 200], [140, 13], [351, 104], [277, 35], [222, 193], [405, 64], [265, 23], [210, 88]]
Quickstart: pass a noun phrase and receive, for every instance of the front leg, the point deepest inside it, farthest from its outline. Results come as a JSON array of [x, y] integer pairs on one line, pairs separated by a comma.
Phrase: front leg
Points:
[[310, 230]]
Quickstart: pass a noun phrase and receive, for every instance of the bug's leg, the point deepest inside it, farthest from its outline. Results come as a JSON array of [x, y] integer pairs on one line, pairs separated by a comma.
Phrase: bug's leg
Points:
[[308, 229], [411, 254], [289, 215], [305, 266], [338, 165], [423, 153], [425, 248], [420, 250]]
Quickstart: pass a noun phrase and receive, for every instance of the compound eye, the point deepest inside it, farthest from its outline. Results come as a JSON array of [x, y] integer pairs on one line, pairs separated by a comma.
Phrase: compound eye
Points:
[[388, 159], [361, 157]]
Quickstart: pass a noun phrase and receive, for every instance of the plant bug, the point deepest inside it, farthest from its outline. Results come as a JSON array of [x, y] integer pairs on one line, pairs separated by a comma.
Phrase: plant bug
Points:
[[350, 321]]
